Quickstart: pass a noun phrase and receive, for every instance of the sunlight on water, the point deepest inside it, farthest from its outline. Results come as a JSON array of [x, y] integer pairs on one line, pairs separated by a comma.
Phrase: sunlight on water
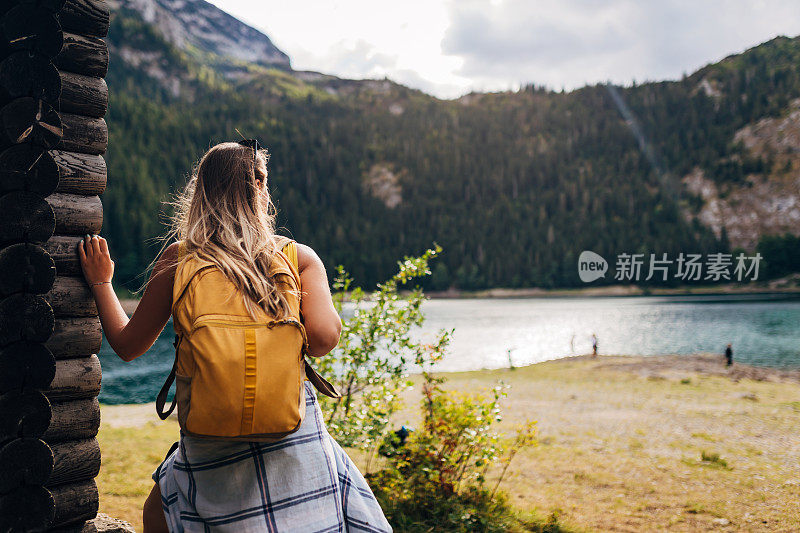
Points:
[[763, 330]]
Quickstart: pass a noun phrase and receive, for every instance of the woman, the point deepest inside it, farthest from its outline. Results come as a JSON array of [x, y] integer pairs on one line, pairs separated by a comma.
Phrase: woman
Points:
[[304, 482]]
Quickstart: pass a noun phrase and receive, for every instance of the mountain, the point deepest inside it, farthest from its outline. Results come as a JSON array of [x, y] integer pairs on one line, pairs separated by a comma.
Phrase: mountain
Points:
[[197, 24], [513, 185], [186, 45], [753, 190]]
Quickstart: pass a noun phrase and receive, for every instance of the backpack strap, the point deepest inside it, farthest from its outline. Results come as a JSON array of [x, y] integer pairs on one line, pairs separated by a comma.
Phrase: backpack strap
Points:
[[181, 249], [289, 247], [161, 399], [321, 384]]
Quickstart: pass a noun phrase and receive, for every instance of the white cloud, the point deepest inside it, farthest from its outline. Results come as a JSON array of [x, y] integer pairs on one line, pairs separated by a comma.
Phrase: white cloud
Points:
[[569, 43], [449, 47], [360, 38], [349, 59]]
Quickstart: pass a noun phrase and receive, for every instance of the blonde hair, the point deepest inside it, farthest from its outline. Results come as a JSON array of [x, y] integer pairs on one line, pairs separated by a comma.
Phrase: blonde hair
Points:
[[223, 217]]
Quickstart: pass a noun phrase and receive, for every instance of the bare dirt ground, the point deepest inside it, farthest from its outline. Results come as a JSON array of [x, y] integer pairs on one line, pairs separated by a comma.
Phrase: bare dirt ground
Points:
[[129, 416], [622, 441], [676, 366]]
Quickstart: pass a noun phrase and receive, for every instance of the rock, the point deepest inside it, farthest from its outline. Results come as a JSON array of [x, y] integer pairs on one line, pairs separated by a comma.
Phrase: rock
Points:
[[749, 396], [721, 522], [107, 524], [189, 24], [383, 182], [767, 202]]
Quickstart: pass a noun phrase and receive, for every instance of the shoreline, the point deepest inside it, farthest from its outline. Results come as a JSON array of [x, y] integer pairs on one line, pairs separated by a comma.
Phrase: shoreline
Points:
[[648, 366], [620, 291], [609, 291]]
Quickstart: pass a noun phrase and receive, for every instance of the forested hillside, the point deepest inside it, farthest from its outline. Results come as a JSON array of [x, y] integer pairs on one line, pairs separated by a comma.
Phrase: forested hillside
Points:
[[512, 185]]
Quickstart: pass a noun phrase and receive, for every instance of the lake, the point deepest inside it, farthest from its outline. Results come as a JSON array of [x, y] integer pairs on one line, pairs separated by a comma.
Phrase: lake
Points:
[[764, 330]]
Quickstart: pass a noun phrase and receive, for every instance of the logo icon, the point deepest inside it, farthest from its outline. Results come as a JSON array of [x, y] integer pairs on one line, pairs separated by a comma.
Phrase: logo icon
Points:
[[591, 266]]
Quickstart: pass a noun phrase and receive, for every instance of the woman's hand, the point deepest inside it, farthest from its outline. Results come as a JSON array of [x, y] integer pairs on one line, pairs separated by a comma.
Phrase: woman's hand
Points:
[[128, 337], [96, 262]]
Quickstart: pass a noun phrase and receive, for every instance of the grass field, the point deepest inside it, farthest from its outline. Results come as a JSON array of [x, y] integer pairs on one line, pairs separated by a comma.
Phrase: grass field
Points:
[[626, 444]]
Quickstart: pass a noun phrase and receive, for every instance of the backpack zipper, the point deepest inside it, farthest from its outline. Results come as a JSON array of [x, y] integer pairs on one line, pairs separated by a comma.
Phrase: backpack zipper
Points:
[[218, 320]]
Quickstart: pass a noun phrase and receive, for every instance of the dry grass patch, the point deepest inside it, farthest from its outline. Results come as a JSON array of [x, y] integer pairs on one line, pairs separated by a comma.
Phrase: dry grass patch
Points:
[[622, 452]]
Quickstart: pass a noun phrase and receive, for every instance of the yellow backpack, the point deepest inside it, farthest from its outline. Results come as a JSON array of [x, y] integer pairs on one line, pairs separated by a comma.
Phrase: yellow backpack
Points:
[[237, 378]]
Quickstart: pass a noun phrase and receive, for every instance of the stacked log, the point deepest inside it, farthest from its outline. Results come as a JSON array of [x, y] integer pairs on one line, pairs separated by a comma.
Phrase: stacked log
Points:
[[52, 137]]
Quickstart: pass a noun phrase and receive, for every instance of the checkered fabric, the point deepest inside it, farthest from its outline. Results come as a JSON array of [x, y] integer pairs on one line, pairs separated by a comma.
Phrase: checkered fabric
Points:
[[304, 483]]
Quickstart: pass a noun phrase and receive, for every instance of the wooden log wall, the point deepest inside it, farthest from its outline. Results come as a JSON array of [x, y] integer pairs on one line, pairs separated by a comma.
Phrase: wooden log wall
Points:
[[52, 138]]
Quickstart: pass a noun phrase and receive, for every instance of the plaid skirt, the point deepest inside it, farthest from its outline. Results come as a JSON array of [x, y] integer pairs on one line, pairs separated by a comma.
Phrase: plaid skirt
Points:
[[304, 483]]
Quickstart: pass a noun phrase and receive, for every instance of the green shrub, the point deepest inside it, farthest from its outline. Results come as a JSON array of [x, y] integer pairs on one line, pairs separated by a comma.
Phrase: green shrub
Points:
[[713, 459], [376, 349], [446, 475], [439, 479]]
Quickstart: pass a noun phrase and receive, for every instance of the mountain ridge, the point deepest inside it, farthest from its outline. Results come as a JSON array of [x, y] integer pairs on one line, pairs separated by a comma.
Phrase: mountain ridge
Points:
[[198, 23]]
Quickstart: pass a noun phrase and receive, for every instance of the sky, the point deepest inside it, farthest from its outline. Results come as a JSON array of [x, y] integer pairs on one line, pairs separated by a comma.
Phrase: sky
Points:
[[451, 47]]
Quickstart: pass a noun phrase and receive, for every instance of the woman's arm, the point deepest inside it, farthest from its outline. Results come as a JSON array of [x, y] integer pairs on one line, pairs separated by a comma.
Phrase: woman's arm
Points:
[[129, 338], [321, 320]]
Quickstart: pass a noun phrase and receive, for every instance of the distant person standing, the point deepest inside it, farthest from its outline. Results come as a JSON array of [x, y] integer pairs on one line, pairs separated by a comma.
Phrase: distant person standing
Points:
[[594, 345], [729, 355]]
